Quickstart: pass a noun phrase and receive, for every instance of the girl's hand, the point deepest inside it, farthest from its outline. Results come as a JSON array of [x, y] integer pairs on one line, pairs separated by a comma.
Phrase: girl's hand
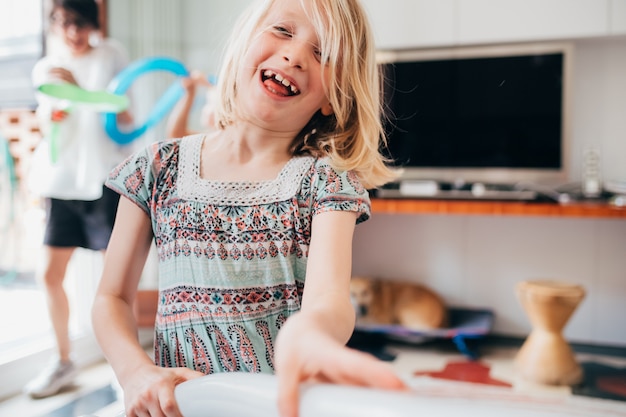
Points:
[[62, 74], [195, 79], [151, 391], [304, 355]]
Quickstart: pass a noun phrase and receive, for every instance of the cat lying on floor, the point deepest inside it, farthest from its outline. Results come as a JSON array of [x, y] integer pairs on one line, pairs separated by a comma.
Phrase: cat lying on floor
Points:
[[411, 305]]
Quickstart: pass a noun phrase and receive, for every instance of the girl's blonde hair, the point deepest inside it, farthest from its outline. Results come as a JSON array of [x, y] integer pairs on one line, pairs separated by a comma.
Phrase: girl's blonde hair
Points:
[[353, 135]]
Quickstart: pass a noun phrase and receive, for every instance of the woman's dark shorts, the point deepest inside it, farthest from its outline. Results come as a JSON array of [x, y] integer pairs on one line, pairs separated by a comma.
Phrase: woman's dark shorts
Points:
[[85, 224]]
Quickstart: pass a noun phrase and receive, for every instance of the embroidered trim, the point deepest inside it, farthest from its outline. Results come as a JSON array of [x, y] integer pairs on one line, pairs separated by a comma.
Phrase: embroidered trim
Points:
[[235, 193]]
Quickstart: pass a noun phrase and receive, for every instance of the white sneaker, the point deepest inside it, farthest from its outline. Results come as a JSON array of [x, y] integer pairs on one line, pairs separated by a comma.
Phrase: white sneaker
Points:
[[52, 379]]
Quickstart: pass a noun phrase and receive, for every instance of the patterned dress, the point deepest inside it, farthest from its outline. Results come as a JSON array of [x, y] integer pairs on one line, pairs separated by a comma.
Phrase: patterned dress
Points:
[[231, 255]]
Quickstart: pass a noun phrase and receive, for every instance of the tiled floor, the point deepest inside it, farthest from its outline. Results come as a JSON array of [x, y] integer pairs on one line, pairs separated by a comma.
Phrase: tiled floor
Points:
[[426, 367], [95, 393]]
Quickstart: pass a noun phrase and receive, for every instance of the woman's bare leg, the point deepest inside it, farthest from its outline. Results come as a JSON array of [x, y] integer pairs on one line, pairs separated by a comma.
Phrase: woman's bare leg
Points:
[[53, 276]]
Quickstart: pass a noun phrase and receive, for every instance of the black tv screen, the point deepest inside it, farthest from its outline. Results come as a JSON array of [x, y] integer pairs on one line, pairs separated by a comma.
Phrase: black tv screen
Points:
[[480, 112]]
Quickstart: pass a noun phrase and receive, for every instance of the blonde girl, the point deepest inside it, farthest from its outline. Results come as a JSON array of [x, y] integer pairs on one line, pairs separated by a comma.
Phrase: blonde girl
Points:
[[254, 223]]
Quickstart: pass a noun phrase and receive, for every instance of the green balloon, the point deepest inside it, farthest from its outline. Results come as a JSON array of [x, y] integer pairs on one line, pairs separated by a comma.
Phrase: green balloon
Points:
[[101, 101]]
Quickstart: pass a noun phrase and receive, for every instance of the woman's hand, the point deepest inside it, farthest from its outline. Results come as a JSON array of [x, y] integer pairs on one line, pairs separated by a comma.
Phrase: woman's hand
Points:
[[306, 355], [151, 391], [62, 74], [58, 115], [124, 117]]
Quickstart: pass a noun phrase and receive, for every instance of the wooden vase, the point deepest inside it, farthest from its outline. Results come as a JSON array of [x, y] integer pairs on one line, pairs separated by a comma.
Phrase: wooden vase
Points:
[[546, 357]]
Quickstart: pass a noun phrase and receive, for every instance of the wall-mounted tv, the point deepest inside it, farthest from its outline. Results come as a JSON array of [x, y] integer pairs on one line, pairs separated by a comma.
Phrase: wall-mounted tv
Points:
[[490, 114]]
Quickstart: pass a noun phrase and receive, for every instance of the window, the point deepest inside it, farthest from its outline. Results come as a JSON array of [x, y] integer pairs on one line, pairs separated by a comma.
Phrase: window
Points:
[[21, 45]]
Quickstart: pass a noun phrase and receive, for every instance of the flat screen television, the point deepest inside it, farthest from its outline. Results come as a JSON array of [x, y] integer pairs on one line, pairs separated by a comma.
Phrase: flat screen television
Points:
[[489, 114]]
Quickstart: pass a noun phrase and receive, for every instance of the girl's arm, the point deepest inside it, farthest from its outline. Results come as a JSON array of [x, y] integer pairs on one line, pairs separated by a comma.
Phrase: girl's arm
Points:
[[147, 387], [179, 118], [311, 345], [112, 311]]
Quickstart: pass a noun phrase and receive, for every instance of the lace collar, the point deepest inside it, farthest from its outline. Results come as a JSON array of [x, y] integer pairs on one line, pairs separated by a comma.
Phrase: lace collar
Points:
[[235, 193]]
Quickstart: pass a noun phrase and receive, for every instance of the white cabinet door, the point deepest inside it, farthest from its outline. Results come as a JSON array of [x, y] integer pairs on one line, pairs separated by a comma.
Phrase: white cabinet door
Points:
[[412, 23], [491, 21], [618, 17]]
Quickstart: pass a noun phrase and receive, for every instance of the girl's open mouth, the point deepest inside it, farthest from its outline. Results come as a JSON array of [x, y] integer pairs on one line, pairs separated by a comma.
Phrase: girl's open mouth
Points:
[[278, 85]]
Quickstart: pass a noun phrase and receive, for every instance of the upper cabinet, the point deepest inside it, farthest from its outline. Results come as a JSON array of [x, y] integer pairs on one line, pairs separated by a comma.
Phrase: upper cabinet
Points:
[[402, 24], [399, 24], [617, 25], [486, 21]]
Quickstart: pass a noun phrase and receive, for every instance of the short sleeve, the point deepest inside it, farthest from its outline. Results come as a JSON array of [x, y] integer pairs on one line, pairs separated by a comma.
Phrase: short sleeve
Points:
[[336, 190], [135, 177]]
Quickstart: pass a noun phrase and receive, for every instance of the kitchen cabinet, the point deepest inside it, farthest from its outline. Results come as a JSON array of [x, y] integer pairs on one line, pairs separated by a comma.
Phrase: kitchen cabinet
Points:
[[617, 23], [399, 24], [488, 21]]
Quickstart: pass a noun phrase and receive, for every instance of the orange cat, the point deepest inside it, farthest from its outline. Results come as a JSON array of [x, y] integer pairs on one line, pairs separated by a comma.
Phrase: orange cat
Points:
[[391, 302]]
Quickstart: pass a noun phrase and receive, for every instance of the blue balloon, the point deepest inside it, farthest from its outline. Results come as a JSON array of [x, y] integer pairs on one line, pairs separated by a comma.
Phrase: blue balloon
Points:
[[123, 81]]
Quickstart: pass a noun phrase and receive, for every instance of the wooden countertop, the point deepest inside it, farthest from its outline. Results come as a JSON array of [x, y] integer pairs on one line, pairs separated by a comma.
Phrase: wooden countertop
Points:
[[587, 209]]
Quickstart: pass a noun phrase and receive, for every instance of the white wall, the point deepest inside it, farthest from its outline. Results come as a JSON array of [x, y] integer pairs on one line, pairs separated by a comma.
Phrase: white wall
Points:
[[599, 104], [192, 31], [476, 260]]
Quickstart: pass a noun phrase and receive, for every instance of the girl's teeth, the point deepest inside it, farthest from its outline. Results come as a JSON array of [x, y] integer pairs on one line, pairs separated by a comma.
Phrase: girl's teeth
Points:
[[280, 79]]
